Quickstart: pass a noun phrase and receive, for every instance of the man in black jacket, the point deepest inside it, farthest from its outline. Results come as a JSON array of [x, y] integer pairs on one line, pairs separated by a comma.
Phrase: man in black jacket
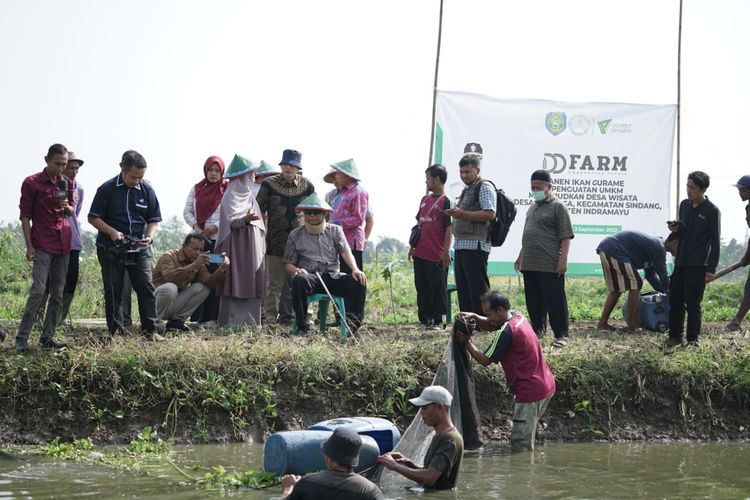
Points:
[[698, 227]]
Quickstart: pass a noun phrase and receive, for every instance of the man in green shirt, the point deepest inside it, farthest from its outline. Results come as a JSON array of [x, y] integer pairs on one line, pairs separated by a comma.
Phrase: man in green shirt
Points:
[[443, 458]]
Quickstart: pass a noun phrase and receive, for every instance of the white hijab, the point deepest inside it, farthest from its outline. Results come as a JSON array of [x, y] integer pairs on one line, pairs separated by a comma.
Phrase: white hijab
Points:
[[237, 200]]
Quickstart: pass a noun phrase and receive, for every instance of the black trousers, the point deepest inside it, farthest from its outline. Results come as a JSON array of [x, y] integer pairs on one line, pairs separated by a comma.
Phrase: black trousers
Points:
[[346, 269], [138, 269], [343, 285], [545, 296], [209, 309], [71, 278], [430, 280], [357, 258], [686, 287], [470, 270]]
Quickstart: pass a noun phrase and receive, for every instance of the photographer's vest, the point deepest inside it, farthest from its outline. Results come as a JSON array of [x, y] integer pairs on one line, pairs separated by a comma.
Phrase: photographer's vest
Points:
[[465, 229]]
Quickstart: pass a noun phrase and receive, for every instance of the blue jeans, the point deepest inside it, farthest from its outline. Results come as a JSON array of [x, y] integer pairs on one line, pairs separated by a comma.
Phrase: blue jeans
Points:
[[46, 266]]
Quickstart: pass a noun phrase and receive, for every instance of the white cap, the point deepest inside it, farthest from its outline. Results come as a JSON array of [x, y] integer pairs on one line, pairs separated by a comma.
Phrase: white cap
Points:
[[433, 394]]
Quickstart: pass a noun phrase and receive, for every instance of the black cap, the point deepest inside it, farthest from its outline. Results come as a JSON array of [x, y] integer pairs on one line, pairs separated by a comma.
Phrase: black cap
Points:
[[541, 175], [343, 447], [742, 183], [473, 148]]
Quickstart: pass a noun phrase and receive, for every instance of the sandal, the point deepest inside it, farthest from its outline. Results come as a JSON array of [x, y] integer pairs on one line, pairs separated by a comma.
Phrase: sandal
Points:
[[560, 342]]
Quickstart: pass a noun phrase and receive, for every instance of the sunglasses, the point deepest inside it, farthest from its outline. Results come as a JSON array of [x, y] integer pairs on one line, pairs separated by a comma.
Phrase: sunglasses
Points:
[[312, 212]]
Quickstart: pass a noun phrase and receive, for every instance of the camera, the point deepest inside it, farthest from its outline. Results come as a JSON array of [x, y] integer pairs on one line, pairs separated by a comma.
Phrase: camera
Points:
[[126, 249]]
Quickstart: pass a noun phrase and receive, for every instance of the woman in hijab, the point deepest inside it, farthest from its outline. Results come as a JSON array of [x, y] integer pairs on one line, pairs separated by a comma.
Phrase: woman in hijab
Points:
[[242, 235], [202, 211]]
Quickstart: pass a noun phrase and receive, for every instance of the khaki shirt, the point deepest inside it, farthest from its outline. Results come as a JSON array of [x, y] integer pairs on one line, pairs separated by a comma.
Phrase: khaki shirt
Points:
[[173, 268]]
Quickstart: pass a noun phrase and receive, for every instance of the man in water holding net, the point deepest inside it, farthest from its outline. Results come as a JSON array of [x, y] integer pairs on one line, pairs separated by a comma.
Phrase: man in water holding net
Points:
[[516, 347], [443, 459]]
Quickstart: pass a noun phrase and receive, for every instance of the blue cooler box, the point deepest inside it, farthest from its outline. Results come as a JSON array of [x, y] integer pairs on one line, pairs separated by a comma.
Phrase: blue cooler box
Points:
[[653, 313], [299, 452], [383, 431]]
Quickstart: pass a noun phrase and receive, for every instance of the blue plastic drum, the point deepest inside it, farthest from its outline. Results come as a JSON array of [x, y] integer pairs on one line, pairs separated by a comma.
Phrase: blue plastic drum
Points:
[[381, 430], [299, 452]]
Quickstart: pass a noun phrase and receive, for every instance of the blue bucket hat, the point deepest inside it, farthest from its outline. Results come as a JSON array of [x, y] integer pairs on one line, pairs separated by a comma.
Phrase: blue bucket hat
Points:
[[291, 157]]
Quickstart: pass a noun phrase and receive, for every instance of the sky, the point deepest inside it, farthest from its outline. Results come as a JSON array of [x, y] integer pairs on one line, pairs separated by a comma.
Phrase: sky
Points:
[[180, 80]]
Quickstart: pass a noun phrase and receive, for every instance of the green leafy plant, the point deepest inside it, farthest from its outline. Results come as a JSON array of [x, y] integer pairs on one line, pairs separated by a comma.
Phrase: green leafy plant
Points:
[[387, 275], [148, 442], [248, 479], [66, 451]]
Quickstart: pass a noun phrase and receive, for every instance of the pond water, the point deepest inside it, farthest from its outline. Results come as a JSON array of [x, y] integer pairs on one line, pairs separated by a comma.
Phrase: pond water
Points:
[[556, 470]]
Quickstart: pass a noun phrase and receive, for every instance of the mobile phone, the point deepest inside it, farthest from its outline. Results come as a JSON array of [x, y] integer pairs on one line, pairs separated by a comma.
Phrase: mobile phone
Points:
[[215, 258]]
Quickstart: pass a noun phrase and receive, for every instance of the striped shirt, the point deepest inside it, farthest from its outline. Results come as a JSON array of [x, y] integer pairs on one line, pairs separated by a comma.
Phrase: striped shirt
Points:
[[547, 224], [488, 201]]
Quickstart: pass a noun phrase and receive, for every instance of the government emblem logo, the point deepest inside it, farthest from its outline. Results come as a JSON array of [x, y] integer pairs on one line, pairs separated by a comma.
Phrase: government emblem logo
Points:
[[579, 124], [555, 122]]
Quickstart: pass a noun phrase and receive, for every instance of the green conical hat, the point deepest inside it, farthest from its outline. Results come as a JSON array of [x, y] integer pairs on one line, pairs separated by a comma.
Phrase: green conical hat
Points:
[[347, 167], [240, 165], [313, 202], [267, 168]]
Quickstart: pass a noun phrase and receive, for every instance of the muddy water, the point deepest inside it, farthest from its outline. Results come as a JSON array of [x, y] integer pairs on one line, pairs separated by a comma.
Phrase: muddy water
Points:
[[557, 470]]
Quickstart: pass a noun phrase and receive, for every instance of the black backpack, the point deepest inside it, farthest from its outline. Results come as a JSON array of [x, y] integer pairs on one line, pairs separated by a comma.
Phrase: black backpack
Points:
[[505, 214]]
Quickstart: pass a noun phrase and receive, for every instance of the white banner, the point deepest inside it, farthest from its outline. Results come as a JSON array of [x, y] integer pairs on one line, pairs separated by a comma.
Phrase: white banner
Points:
[[610, 163]]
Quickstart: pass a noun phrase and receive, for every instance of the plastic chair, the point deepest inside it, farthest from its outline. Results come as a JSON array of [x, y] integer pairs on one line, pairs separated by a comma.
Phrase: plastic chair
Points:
[[323, 301]]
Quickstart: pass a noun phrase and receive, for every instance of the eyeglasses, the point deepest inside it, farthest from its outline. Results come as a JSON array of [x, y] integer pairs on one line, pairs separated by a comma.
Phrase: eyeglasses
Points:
[[312, 212]]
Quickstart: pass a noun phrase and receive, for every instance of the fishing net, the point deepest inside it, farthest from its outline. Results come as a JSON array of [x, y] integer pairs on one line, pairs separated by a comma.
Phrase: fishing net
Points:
[[455, 374]]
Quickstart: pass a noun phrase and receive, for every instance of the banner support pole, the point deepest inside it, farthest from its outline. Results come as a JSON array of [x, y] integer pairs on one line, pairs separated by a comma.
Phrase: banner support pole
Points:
[[435, 84], [679, 81]]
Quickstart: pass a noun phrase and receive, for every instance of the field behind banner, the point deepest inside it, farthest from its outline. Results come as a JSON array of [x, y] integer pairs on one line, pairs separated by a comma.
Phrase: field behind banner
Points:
[[391, 296]]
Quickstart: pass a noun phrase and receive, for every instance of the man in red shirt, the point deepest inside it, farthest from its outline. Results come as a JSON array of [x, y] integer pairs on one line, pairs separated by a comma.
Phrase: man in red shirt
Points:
[[516, 347], [46, 202], [431, 253]]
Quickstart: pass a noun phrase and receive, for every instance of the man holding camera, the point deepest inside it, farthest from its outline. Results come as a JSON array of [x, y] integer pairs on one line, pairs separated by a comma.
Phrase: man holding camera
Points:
[[182, 281], [46, 202], [516, 347], [126, 213]]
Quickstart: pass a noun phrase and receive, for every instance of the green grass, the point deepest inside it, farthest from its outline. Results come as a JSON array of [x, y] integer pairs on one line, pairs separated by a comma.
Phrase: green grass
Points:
[[215, 385]]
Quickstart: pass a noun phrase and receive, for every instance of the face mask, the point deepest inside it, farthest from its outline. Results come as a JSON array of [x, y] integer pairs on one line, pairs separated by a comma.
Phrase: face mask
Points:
[[538, 195]]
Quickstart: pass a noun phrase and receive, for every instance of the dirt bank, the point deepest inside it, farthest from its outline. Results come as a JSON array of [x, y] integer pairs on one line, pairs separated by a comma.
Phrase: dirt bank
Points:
[[242, 386]]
